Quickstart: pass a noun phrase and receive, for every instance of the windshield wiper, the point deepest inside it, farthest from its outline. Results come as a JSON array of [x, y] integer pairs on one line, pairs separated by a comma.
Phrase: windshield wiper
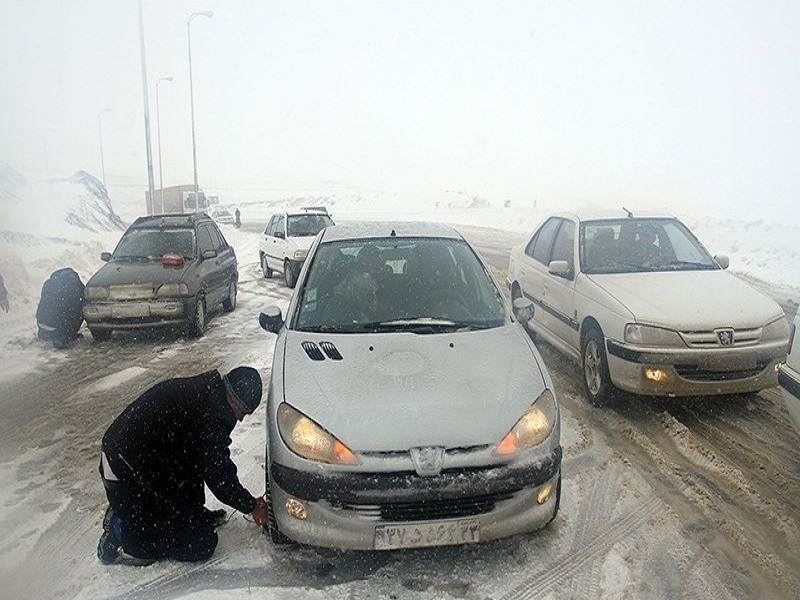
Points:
[[676, 265], [132, 258], [423, 325]]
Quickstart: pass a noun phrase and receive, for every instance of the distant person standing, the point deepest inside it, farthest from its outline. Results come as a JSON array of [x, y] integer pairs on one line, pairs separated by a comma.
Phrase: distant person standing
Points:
[[3, 295], [60, 312], [237, 218]]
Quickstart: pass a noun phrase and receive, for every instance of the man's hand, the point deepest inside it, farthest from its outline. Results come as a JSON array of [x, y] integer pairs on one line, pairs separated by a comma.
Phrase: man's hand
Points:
[[259, 513]]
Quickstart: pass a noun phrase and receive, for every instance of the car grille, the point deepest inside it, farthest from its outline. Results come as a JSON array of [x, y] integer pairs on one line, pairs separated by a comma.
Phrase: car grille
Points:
[[142, 291], [709, 339], [694, 373], [451, 508]]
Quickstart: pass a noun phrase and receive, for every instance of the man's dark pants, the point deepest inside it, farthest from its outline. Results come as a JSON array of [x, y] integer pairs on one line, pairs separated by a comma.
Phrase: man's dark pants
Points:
[[181, 532]]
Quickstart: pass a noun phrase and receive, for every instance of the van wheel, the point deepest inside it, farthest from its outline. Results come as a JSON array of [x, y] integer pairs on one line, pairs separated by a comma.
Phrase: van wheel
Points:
[[288, 274], [596, 378], [100, 335], [197, 326], [229, 304], [265, 267]]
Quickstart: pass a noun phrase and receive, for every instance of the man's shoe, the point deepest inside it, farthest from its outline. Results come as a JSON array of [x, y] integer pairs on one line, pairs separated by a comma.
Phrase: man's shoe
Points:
[[108, 548]]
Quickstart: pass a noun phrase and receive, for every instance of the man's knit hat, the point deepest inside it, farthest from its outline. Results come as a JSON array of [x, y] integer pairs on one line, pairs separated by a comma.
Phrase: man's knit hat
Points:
[[244, 385]]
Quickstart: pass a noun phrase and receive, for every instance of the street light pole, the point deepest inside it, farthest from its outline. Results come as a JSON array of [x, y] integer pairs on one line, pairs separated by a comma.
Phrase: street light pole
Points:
[[208, 14], [158, 133], [100, 134], [150, 186]]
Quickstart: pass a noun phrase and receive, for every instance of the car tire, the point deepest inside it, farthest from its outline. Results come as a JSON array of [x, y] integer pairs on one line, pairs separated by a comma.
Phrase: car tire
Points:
[[229, 304], [271, 528], [197, 326], [100, 335], [596, 378], [289, 276], [265, 267]]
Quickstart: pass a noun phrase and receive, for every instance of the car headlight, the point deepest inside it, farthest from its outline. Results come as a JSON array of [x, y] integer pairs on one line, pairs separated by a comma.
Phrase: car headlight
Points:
[[777, 330], [300, 254], [95, 293], [533, 428], [172, 290], [647, 335], [304, 437]]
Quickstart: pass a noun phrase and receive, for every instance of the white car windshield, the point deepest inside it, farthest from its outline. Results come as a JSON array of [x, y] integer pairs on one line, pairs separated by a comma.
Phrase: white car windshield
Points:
[[637, 245], [152, 244], [307, 225], [423, 285]]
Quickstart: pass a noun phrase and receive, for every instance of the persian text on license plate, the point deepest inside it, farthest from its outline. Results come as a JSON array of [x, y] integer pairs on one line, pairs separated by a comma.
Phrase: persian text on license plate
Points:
[[429, 533]]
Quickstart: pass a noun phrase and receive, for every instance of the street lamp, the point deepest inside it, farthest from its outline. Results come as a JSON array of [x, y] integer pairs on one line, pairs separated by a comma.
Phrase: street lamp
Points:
[[100, 134], [208, 14], [158, 134]]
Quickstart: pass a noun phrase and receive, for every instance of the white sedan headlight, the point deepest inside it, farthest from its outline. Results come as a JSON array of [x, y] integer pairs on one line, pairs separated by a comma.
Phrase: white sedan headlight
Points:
[[300, 254], [777, 330], [647, 335], [533, 428], [304, 437], [95, 293]]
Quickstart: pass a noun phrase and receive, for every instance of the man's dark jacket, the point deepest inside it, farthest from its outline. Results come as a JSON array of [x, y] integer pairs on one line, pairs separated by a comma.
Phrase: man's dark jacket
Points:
[[170, 440]]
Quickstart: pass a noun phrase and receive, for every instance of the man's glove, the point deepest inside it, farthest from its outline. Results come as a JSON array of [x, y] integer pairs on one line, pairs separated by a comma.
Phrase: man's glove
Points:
[[259, 514]]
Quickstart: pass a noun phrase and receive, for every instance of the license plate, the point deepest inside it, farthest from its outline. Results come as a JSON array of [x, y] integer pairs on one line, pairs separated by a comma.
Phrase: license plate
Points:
[[429, 533], [130, 311]]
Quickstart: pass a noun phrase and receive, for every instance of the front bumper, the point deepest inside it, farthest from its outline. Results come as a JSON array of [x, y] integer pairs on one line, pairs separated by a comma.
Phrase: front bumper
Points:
[[694, 372], [346, 510], [168, 312]]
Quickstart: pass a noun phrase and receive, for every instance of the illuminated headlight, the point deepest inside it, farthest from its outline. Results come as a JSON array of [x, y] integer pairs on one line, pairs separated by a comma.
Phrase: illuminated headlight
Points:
[[777, 330], [533, 428], [172, 290], [646, 335], [304, 437], [95, 293], [300, 254]]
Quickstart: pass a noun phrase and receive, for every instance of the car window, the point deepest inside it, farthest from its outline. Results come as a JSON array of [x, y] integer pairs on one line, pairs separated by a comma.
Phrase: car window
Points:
[[270, 230], [356, 283], [564, 245], [204, 240], [544, 241], [307, 225], [280, 224], [152, 244], [217, 239]]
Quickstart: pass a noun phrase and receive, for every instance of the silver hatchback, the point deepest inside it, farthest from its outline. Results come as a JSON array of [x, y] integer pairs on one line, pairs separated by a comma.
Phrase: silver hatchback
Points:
[[407, 405]]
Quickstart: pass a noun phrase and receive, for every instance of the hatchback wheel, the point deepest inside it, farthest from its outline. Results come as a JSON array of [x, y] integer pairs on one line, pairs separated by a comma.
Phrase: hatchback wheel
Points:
[[596, 378], [288, 274], [197, 326], [265, 267], [229, 304]]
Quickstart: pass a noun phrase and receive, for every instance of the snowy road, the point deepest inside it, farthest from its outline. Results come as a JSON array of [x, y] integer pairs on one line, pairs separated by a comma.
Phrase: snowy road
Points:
[[664, 498]]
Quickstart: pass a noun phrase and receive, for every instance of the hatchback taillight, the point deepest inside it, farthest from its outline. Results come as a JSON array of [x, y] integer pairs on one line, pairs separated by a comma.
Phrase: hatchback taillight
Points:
[[172, 260]]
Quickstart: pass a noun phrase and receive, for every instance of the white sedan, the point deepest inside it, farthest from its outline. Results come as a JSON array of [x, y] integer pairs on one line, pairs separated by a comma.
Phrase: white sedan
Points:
[[645, 308]]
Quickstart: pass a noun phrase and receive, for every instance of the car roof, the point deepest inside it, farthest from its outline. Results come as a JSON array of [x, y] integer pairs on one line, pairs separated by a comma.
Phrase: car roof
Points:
[[607, 214], [170, 220], [387, 229]]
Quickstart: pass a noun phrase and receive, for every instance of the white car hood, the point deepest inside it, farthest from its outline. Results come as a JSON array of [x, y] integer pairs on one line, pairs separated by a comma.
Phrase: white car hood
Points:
[[690, 300], [395, 391]]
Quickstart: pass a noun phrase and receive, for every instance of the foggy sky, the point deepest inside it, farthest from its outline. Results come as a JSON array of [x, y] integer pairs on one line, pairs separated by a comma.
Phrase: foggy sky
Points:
[[650, 104]]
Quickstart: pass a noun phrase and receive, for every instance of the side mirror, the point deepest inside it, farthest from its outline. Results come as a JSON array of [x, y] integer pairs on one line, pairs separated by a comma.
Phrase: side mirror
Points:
[[523, 309], [723, 261], [209, 254], [271, 319], [105, 256], [560, 268], [280, 234]]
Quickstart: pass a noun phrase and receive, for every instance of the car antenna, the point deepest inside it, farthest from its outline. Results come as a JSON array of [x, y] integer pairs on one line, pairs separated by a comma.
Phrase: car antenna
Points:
[[630, 214]]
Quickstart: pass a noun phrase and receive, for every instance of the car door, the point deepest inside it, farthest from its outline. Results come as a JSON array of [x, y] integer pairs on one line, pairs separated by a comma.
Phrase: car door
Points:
[[226, 262], [277, 242], [207, 270], [558, 291]]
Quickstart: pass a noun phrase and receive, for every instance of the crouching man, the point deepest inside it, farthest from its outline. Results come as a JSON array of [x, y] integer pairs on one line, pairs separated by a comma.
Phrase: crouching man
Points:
[[156, 457]]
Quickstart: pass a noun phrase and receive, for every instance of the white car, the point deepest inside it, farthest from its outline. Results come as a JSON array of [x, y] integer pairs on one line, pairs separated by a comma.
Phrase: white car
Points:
[[287, 238], [645, 308], [407, 406], [789, 376], [222, 215]]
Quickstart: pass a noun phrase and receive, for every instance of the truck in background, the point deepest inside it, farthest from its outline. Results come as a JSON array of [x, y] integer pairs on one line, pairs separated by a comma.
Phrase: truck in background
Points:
[[178, 199]]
